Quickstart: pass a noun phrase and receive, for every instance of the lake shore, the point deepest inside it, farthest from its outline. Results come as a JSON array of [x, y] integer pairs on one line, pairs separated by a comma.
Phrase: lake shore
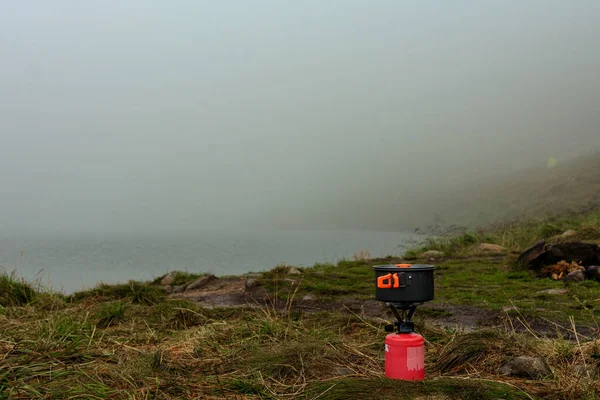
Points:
[[314, 332], [70, 262]]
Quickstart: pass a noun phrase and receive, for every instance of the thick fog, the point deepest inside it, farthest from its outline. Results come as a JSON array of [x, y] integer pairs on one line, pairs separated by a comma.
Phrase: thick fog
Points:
[[145, 116]]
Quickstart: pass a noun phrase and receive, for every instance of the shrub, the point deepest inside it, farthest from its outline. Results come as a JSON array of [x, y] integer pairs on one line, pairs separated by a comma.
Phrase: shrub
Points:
[[15, 291]]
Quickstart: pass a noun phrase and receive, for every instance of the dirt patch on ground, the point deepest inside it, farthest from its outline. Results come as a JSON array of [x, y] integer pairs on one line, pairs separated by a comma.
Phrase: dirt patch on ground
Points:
[[362, 308], [469, 318], [460, 317], [225, 292], [232, 292], [548, 329]]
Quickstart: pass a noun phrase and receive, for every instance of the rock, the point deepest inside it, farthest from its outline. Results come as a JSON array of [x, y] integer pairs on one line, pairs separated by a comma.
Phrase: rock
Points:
[[251, 283], [542, 254], [490, 248], [308, 297], [575, 276], [585, 253], [593, 272], [179, 289], [201, 282], [525, 367], [568, 233], [553, 291], [168, 289], [432, 254], [294, 271], [582, 253], [532, 253], [168, 279]]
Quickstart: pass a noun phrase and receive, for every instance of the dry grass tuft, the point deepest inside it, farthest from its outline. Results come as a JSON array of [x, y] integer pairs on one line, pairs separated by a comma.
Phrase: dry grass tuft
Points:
[[362, 255]]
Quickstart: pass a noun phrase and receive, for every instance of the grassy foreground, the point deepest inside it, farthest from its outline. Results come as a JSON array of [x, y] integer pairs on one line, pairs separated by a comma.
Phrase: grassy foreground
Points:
[[131, 341]]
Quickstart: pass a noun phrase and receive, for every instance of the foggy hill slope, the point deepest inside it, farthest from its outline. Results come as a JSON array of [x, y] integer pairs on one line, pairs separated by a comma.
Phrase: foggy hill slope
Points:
[[426, 202], [570, 187]]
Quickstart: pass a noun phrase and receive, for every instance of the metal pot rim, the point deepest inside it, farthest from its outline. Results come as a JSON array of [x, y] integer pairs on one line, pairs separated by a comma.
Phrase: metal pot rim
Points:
[[403, 267]]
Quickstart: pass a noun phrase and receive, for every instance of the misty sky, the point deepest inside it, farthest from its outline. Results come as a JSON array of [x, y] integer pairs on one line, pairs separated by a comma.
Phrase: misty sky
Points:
[[146, 116]]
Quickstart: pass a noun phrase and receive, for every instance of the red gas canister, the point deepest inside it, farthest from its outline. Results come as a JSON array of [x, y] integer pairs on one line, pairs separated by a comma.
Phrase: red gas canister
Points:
[[405, 356]]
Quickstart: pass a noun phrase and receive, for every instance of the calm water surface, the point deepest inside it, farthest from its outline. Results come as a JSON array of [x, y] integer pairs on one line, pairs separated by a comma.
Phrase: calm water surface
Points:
[[70, 263]]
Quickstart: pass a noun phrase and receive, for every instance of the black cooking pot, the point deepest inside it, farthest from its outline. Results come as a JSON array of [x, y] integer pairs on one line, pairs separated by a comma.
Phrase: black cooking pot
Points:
[[404, 283]]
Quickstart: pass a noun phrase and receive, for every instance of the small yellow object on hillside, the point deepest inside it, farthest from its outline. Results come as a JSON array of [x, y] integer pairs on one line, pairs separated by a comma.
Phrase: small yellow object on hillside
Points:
[[552, 162]]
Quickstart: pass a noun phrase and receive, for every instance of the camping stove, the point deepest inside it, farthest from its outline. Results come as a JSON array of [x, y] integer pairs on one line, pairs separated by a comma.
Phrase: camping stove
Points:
[[403, 287]]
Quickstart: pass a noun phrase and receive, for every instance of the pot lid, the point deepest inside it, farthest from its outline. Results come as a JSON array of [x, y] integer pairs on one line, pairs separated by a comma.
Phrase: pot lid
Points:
[[403, 267]]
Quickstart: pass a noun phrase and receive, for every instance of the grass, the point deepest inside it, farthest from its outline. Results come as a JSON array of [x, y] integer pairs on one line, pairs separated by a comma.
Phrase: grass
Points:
[[111, 313], [137, 292], [132, 341], [515, 236], [176, 349], [441, 388], [489, 285], [343, 279], [14, 291]]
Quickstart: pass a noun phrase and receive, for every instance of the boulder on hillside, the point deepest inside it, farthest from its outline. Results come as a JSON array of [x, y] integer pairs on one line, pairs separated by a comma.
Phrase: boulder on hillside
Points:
[[169, 278], [178, 289], [201, 282], [542, 254], [593, 272], [294, 271], [251, 283], [584, 253], [575, 276], [532, 253]]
